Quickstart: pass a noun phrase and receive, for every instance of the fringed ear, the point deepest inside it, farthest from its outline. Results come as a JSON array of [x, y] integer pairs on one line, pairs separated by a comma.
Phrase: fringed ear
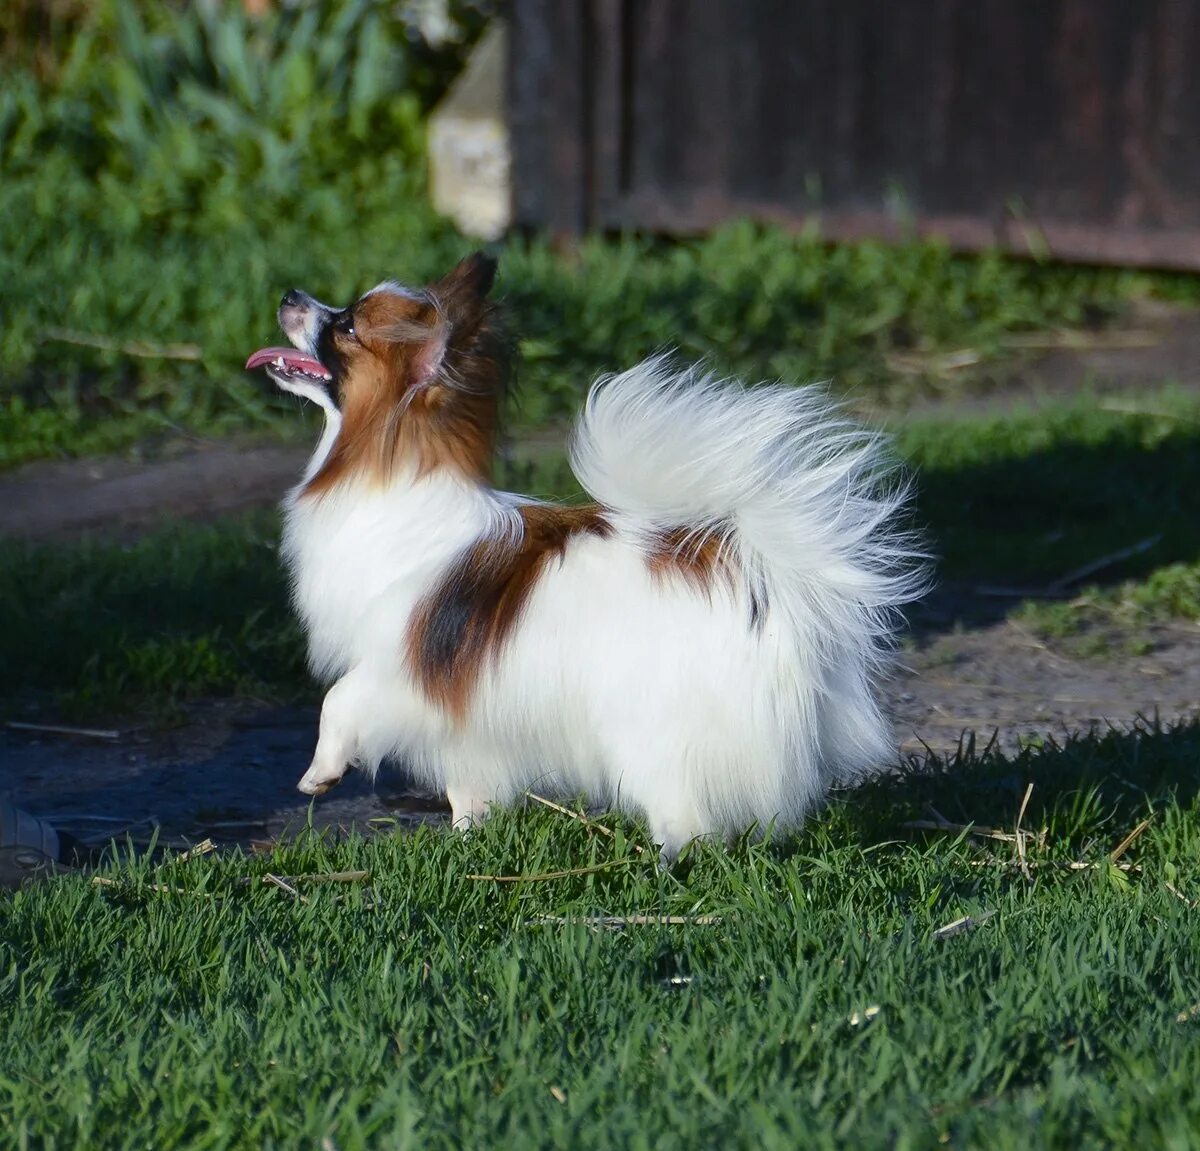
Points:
[[429, 343], [460, 298], [462, 294], [471, 279], [465, 348], [428, 361]]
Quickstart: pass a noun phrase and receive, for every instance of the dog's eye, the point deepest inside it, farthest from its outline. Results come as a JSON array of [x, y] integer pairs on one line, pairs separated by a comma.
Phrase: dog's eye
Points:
[[345, 324]]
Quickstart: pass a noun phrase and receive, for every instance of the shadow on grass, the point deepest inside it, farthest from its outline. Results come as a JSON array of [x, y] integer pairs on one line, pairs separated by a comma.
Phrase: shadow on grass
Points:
[[189, 610], [1085, 794], [1044, 504]]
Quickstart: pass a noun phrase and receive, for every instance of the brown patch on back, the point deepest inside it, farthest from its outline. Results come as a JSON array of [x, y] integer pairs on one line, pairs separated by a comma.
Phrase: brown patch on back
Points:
[[469, 616], [701, 561], [420, 381], [696, 557]]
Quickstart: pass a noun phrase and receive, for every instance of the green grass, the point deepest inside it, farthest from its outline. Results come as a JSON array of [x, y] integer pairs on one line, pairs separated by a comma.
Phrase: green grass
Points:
[[425, 1008], [1023, 500], [1087, 623], [1031, 496], [189, 610], [755, 302]]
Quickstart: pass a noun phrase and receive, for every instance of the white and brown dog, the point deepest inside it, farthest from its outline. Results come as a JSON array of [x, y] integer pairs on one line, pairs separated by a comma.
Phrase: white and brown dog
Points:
[[700, 644]]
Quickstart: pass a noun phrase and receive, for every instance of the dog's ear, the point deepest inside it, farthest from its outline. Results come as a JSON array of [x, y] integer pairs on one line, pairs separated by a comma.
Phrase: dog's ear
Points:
[[466, 324], [467, 286]]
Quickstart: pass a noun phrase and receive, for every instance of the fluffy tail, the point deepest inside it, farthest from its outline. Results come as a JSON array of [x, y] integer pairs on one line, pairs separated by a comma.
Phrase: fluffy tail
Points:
[[807, 501]]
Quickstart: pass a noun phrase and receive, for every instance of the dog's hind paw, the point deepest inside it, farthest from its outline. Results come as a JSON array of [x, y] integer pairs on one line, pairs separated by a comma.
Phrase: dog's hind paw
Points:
[[467, 809]]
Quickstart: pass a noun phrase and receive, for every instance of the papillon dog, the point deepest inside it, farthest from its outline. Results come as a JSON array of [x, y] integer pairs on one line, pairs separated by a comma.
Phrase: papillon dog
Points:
[[700, 644]]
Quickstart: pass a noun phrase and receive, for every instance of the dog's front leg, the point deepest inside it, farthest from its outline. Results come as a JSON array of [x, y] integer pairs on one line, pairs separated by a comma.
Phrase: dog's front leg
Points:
[[337, 744]]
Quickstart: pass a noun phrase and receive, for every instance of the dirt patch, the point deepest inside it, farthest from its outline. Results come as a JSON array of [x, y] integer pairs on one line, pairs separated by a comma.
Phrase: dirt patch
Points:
[[63, 499], [1001, 680], [229, 772]]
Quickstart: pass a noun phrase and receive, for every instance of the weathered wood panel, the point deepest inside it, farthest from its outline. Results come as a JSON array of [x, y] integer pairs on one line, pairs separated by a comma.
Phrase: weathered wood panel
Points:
[[1066, 125]]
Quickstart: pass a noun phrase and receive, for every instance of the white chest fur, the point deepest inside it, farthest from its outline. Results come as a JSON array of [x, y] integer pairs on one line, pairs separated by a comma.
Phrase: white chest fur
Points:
[[349, 547]]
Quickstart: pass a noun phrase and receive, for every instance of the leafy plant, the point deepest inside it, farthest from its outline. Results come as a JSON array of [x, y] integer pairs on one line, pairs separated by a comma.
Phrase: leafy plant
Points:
[[193, 118]]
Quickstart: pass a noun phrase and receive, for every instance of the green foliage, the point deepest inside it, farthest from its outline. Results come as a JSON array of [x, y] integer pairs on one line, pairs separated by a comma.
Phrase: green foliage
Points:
[[180, 166], [200, 119], [35, 35], [1088, 623], [188, 611], [763, 304], [805, 999], [1172, 592], [753, 301], [185, 165]]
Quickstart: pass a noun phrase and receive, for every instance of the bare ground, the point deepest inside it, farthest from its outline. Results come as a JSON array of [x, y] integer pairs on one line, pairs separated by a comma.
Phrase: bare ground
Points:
[[63, 499], [229, 771]]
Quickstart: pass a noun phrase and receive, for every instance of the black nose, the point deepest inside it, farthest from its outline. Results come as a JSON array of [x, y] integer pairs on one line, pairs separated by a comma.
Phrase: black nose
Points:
[[291, 299]]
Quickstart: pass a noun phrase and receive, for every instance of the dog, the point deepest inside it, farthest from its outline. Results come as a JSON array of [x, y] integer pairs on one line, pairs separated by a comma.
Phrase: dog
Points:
[[701, 644]]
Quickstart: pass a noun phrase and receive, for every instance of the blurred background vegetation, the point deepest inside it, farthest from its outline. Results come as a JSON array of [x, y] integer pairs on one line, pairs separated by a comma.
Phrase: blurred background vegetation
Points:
[[164, 168], [168, 169]]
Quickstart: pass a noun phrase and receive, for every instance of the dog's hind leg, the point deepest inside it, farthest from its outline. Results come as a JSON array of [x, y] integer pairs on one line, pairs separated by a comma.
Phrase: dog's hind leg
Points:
[[673, 832], [652, 774], [476, 777], [467, 808]]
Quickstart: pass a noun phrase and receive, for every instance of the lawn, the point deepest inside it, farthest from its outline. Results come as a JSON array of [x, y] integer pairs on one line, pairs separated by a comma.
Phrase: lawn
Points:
[[461, 992], [804, 994]]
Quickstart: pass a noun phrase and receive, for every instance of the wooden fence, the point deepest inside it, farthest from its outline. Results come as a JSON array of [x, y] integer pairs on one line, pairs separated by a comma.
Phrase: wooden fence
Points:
[[1070, 127]]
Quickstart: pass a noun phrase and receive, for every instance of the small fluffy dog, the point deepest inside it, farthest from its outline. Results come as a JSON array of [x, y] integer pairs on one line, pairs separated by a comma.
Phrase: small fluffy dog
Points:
[[700, 644]]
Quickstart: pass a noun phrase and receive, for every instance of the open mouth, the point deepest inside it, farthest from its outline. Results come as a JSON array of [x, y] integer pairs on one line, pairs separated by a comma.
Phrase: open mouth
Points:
[[288, 365]]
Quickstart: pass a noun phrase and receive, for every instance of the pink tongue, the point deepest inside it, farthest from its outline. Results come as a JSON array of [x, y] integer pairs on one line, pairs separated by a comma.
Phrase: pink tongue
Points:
[[292, 358]]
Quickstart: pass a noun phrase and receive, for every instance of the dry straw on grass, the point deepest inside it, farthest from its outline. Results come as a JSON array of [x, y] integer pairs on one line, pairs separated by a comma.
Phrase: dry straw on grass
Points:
[[537, 877], [579, 817], [620, 922]]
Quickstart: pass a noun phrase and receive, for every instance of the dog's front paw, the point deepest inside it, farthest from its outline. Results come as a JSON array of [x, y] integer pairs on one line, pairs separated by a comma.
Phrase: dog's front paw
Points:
[[317, 780]]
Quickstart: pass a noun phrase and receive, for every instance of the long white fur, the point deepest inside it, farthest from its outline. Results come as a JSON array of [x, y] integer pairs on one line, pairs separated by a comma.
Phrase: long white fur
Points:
[[641, 691]]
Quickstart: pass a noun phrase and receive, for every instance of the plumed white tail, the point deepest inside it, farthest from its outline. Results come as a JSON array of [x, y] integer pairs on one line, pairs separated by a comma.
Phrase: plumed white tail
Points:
[[809, 503]]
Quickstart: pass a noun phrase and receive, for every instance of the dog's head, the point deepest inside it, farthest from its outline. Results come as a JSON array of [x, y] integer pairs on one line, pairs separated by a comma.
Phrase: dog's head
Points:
[[414, 375]]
